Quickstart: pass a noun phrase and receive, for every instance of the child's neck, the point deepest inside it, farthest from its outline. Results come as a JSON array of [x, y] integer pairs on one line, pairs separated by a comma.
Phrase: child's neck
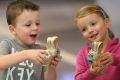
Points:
[[22, 44]]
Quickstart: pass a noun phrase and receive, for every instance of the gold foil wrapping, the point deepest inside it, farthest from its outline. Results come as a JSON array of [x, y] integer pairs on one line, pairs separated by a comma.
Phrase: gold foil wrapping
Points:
[[94, 53], [52, 48]]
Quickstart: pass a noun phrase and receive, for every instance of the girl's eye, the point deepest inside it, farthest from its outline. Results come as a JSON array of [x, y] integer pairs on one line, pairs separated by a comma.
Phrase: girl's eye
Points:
[[93, 23], [84, 29]]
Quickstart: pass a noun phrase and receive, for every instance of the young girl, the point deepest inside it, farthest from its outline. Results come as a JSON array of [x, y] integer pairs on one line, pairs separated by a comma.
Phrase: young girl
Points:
[[94, 24]]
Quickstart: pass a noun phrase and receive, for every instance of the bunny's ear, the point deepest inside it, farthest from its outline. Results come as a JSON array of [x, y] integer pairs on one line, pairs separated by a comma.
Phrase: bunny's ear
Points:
[[55, 41]]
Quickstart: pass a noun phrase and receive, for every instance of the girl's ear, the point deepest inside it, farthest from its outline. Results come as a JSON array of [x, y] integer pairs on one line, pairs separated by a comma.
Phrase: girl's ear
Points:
[[12, 29], [107, 22]]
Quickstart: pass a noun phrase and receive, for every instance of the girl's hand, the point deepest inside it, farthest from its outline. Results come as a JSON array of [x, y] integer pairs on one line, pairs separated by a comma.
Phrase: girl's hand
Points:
[[106, 59], [97, 70]]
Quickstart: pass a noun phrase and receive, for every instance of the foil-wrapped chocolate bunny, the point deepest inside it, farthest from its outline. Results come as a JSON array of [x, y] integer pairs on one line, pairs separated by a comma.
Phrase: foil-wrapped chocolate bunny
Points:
[[52, 48], [94, 53]]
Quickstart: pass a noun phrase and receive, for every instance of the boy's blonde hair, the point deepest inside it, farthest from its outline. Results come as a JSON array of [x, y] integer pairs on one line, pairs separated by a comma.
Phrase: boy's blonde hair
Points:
[[93, 9], [15, 8]]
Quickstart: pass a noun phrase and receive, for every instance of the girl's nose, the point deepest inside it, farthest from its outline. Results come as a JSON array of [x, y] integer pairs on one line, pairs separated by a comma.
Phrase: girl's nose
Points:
[[90, 30]]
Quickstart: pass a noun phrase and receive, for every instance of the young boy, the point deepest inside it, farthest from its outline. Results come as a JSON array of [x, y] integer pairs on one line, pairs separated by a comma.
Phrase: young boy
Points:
[[21, 58]]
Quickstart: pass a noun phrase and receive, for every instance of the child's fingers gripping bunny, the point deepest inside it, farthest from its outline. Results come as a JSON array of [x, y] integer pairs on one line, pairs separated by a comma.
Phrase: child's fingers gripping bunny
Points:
[[55, 61], [49, 56], [99, 60], [106, 59], [97, 70], [38, 55]]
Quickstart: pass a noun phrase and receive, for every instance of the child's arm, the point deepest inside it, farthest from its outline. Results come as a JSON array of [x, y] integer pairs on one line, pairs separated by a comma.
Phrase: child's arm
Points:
[[9, 60], [50, 74], [116, 60]]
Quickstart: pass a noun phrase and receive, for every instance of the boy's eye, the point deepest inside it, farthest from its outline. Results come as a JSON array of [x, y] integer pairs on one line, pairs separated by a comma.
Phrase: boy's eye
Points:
[[37, 23], [28, 25]]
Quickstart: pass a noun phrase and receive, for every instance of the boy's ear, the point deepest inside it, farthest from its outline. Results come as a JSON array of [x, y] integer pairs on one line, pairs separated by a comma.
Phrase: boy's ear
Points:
[[107, 22], [12, 29]]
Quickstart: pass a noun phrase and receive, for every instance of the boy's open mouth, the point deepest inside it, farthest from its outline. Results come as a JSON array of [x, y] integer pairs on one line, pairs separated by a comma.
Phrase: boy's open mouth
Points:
[[33, 35]]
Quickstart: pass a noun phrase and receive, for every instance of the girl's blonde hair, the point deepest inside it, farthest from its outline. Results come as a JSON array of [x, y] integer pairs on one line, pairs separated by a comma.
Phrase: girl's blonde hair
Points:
[[93, 9]]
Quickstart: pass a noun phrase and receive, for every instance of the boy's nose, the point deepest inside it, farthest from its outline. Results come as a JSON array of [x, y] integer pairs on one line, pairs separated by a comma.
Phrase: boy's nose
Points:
[[35, 27]]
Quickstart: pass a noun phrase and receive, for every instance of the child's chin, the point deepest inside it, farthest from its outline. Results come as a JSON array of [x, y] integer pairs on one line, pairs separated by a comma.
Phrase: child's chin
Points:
[[95, 39], [31, 43]]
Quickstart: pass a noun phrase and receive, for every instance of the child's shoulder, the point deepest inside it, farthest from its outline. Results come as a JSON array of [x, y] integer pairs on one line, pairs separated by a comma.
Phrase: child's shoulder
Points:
[[84, 48], [83, 51], [114, 43], [5, 46], [7, 41]]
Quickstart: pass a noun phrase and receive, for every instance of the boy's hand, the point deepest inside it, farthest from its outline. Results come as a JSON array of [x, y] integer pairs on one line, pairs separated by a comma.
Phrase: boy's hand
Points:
[[37, 55], [55, 61], [106, 59]]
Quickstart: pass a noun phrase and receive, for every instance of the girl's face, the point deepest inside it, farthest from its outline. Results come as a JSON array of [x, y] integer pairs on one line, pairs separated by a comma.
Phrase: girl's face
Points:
[[93, 27], [27, 28]]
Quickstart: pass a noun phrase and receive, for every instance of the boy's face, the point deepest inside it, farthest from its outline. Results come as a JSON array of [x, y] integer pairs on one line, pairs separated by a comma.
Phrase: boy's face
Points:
[[27, 28], [93, 27]]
